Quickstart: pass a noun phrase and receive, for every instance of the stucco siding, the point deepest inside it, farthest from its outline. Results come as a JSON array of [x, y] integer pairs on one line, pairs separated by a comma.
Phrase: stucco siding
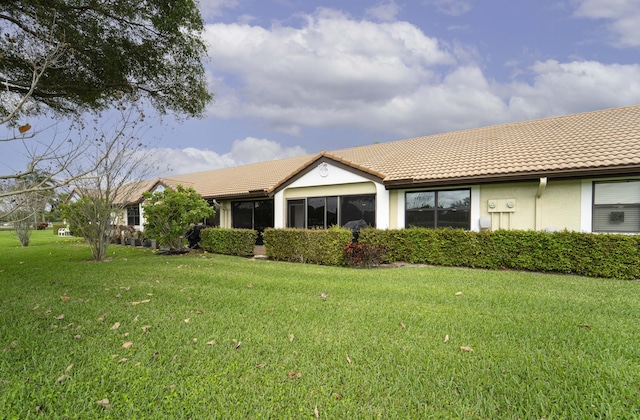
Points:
[[330, 190], [394, 209], [521, 216], [559, 205]]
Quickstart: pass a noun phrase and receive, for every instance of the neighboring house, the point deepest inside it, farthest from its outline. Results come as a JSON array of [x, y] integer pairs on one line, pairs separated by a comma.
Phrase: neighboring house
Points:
[[127, 200], [579, 172]]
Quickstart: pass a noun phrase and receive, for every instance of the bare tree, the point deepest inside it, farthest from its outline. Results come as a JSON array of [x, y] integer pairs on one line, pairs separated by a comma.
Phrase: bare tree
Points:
[[119, 165]]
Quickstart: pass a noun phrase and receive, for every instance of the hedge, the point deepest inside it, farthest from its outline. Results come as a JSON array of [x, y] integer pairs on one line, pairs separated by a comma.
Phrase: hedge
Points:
[[317, 246], [586, 254], [55, 228], [239, 242]]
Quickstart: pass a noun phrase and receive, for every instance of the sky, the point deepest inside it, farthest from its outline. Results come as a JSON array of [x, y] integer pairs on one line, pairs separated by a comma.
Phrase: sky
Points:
[[294, 77]]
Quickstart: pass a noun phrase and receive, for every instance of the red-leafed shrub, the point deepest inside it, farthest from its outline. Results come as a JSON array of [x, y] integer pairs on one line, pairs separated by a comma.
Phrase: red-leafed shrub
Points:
[[357, 254]]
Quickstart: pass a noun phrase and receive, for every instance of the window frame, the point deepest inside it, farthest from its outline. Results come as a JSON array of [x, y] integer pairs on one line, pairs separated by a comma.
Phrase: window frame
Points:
[[254, 205], [436, 211], [621, 208], [332, 213], [136, 216]]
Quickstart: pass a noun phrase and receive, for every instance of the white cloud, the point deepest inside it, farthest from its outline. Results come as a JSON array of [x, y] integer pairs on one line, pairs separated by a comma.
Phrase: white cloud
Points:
[[563, 88], [385, 11], [623, 17], [312, 75], [389, 77], [243, 152]]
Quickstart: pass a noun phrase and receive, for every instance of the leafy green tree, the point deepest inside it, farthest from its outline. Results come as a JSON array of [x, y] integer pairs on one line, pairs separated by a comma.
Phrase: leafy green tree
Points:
[[72, 56], [169, 214], [74, 59]]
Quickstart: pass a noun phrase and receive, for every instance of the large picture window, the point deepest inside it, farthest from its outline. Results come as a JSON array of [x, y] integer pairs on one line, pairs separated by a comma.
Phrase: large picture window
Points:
[[438, 209], [616, 207], [324, 212]]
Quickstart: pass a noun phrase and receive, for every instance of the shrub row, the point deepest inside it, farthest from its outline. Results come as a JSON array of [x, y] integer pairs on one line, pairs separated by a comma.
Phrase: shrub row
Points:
[[56, 226], [594, 255], [322, 247], [228, 241]]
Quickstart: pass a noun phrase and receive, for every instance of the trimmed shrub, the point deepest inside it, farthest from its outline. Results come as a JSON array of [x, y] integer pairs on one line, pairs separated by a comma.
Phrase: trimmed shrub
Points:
[[57, 226], [587, 254], [318, 246], [239, 242]]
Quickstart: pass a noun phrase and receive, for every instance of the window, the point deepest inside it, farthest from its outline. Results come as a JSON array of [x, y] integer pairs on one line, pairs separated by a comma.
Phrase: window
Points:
[[213, 221], [257, 215], [324, 212], [616, 207], [295, 214], [133, 215], [438, 209], [242, 214], [358, 207]]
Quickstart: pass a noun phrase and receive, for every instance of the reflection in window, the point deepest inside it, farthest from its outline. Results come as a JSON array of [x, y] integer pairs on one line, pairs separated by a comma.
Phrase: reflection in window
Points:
[[438, 209], [324, 212], [316, 212], [358, 207]]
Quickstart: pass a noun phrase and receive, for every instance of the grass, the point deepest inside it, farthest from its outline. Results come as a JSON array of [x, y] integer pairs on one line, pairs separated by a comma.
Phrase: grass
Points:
[[543, 346]]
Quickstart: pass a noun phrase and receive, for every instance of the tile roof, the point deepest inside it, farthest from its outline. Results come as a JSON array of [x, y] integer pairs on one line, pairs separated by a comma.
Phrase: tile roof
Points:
[[253, 180], [592, 143], [595, 142]]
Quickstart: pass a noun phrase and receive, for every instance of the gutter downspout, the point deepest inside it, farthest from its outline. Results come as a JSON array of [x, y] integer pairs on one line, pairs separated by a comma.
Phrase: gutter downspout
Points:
[[541, 187]]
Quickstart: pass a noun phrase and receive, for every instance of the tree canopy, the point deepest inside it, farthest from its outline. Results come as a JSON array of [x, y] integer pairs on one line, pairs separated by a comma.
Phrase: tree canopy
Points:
[[170, 213], [71, 56]]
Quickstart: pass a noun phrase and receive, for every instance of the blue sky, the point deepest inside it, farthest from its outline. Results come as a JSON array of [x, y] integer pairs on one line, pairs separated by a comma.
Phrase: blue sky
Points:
[[298, 76]]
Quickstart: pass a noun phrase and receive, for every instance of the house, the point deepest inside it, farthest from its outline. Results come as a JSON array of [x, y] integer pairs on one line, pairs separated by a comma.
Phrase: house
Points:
[[578, 172]]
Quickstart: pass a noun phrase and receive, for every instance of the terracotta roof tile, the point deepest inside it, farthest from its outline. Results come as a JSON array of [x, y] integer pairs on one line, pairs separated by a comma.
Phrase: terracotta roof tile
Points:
[[237, 181], [600, 140], [597, 139]]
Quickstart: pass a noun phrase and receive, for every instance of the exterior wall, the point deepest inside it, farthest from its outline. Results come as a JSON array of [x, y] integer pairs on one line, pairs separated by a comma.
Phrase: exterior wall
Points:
[[523, 195], [394, 209], [559, 206], [328, 180]]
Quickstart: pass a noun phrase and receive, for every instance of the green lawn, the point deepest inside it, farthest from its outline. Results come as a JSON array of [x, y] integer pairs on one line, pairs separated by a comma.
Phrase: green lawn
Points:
[[224, 337]]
